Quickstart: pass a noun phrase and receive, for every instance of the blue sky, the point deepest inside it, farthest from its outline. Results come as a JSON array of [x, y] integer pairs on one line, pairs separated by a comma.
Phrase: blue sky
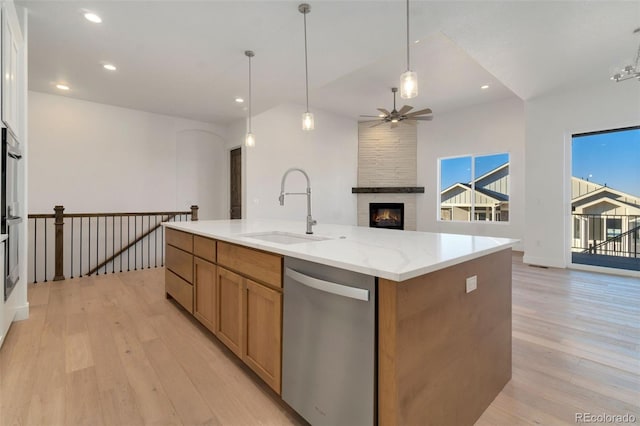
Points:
[[454, 170], [612, 158]]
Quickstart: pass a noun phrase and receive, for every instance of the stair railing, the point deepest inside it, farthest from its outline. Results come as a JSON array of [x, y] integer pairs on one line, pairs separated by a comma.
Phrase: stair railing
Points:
[[95, 243]]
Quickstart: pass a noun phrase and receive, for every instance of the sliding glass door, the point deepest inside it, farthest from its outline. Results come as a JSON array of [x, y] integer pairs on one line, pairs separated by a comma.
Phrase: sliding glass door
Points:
[[605, 199]]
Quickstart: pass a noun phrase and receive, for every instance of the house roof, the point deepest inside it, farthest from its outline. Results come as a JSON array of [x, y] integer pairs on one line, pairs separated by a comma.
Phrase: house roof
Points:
[[613, 201], [467, 187], [493, 171], [498, 196], [604, 190]]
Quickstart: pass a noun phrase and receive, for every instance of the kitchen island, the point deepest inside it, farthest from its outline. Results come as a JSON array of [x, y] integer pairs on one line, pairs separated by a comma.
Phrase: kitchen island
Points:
[[443, 305]]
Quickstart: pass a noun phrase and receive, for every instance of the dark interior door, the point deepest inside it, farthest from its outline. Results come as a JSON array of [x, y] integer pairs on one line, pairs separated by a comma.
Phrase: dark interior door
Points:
[[236, 184]]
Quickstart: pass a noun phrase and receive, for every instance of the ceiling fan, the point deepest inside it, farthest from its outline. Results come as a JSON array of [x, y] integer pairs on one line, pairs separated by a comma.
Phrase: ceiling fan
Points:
[[394, 117]]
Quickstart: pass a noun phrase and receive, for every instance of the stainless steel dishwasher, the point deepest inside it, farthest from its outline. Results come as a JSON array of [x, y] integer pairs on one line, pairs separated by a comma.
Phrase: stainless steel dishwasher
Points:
[[329, 344]]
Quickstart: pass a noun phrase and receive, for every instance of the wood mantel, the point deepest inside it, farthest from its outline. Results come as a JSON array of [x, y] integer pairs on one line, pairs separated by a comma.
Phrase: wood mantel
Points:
[[444, 354]]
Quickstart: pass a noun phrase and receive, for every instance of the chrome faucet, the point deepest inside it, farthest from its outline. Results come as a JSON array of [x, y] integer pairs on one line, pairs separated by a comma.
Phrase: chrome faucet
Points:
[[310, 220]]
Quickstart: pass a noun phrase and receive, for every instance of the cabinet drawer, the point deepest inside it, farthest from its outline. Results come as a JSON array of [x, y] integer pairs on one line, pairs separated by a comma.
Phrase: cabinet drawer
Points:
[[204, 248], [179, 289], [179, 239], [255, 264], [180, 262]]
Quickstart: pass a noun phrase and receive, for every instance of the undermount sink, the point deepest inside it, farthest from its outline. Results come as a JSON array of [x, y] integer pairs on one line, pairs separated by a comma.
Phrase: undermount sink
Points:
[[280, 237]]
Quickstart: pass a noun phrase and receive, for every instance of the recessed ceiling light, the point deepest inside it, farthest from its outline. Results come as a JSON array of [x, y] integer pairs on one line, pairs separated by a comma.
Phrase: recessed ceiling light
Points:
[[62, 86], [417, 41], [485, 87], [239, 100], [381, 115], [92, 17], [109, 67]]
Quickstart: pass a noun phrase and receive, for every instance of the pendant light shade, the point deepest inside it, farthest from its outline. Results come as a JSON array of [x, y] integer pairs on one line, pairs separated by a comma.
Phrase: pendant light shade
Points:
[[307, 121], [307, 118], [250, 139], [408, 79], [408, 85]]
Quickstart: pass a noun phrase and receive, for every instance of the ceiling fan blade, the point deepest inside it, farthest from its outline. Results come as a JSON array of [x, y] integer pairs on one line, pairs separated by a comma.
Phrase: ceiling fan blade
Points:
[[379, 123], [429, 118], [421, 112], [384, 111], [405, 109]]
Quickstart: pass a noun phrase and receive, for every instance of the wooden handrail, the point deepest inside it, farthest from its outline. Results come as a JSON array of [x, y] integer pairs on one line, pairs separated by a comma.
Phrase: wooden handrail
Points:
[[133, 243], [51, 216]]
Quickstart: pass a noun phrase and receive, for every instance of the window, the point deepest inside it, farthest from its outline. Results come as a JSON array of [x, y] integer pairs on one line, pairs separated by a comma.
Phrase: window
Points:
[[474, 188]]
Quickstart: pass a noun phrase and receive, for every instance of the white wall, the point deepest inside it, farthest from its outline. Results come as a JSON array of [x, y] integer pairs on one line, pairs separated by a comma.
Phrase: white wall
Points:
[[551, 121], [92, 157], [329, 154], [482, 129]]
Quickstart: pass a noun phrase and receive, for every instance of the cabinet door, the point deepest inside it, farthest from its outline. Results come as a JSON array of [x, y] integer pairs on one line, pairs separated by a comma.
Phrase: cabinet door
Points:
[[230, 325], [205, 286], [263, 342]]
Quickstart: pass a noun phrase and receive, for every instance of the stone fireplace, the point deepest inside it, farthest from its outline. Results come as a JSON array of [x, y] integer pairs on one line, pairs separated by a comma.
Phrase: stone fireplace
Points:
[[386, 215], [387, 170]]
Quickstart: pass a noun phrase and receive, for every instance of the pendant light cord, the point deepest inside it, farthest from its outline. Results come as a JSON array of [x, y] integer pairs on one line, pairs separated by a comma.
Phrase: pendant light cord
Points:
[[250, 98], [306, 66], [408, 42]]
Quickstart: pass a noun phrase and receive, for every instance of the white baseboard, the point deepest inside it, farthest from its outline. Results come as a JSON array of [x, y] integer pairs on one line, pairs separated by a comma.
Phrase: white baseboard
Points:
[[543, 261], [22, 313]]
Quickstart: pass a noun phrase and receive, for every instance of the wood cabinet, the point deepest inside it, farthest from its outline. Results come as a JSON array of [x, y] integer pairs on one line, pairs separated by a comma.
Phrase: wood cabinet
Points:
[[256, 264], [263, 332], [230, 310], [12, 71], [179, 268], [205, 288], [234, 291], [204, 248]]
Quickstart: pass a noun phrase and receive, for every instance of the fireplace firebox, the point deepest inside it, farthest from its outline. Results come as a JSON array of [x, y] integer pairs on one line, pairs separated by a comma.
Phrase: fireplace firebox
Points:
[[386, 215]]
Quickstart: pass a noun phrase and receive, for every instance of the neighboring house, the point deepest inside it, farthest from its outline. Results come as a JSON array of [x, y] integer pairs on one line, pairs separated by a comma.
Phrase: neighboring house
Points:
[[491, 198], [601, 213]]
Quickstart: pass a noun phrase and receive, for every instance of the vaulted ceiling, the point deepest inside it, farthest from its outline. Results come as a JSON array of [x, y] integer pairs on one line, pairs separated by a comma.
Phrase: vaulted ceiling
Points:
[[185, 58]]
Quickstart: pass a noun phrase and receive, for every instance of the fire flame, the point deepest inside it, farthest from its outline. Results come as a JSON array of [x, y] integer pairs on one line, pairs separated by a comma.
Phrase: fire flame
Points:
[[386, 215]]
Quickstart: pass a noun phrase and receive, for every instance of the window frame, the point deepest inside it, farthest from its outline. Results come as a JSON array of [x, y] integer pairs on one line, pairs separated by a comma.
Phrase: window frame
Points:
[[472, 211]]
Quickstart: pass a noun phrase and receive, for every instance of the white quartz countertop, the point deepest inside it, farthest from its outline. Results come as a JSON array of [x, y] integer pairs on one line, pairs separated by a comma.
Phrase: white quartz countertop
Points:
[[385, 253]]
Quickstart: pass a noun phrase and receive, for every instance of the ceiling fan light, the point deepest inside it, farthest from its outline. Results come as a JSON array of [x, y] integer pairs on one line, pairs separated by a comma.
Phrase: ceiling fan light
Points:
[[250, 140], [408, 85], [394, 120], [307, 121]]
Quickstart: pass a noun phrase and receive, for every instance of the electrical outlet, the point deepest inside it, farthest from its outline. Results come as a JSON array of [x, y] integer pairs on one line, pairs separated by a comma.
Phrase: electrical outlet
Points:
[[472, 283]]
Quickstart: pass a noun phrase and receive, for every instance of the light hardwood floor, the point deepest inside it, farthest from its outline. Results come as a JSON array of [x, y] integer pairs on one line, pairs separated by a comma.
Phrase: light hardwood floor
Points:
[[111, 350]]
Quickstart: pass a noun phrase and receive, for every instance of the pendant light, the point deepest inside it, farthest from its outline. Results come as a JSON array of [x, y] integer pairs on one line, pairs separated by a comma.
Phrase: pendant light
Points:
[[250, 139], [307, 117], [408, 79]]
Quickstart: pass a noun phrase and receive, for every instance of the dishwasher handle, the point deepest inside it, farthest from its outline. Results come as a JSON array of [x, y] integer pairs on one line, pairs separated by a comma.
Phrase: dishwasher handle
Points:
[[327, 286]]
